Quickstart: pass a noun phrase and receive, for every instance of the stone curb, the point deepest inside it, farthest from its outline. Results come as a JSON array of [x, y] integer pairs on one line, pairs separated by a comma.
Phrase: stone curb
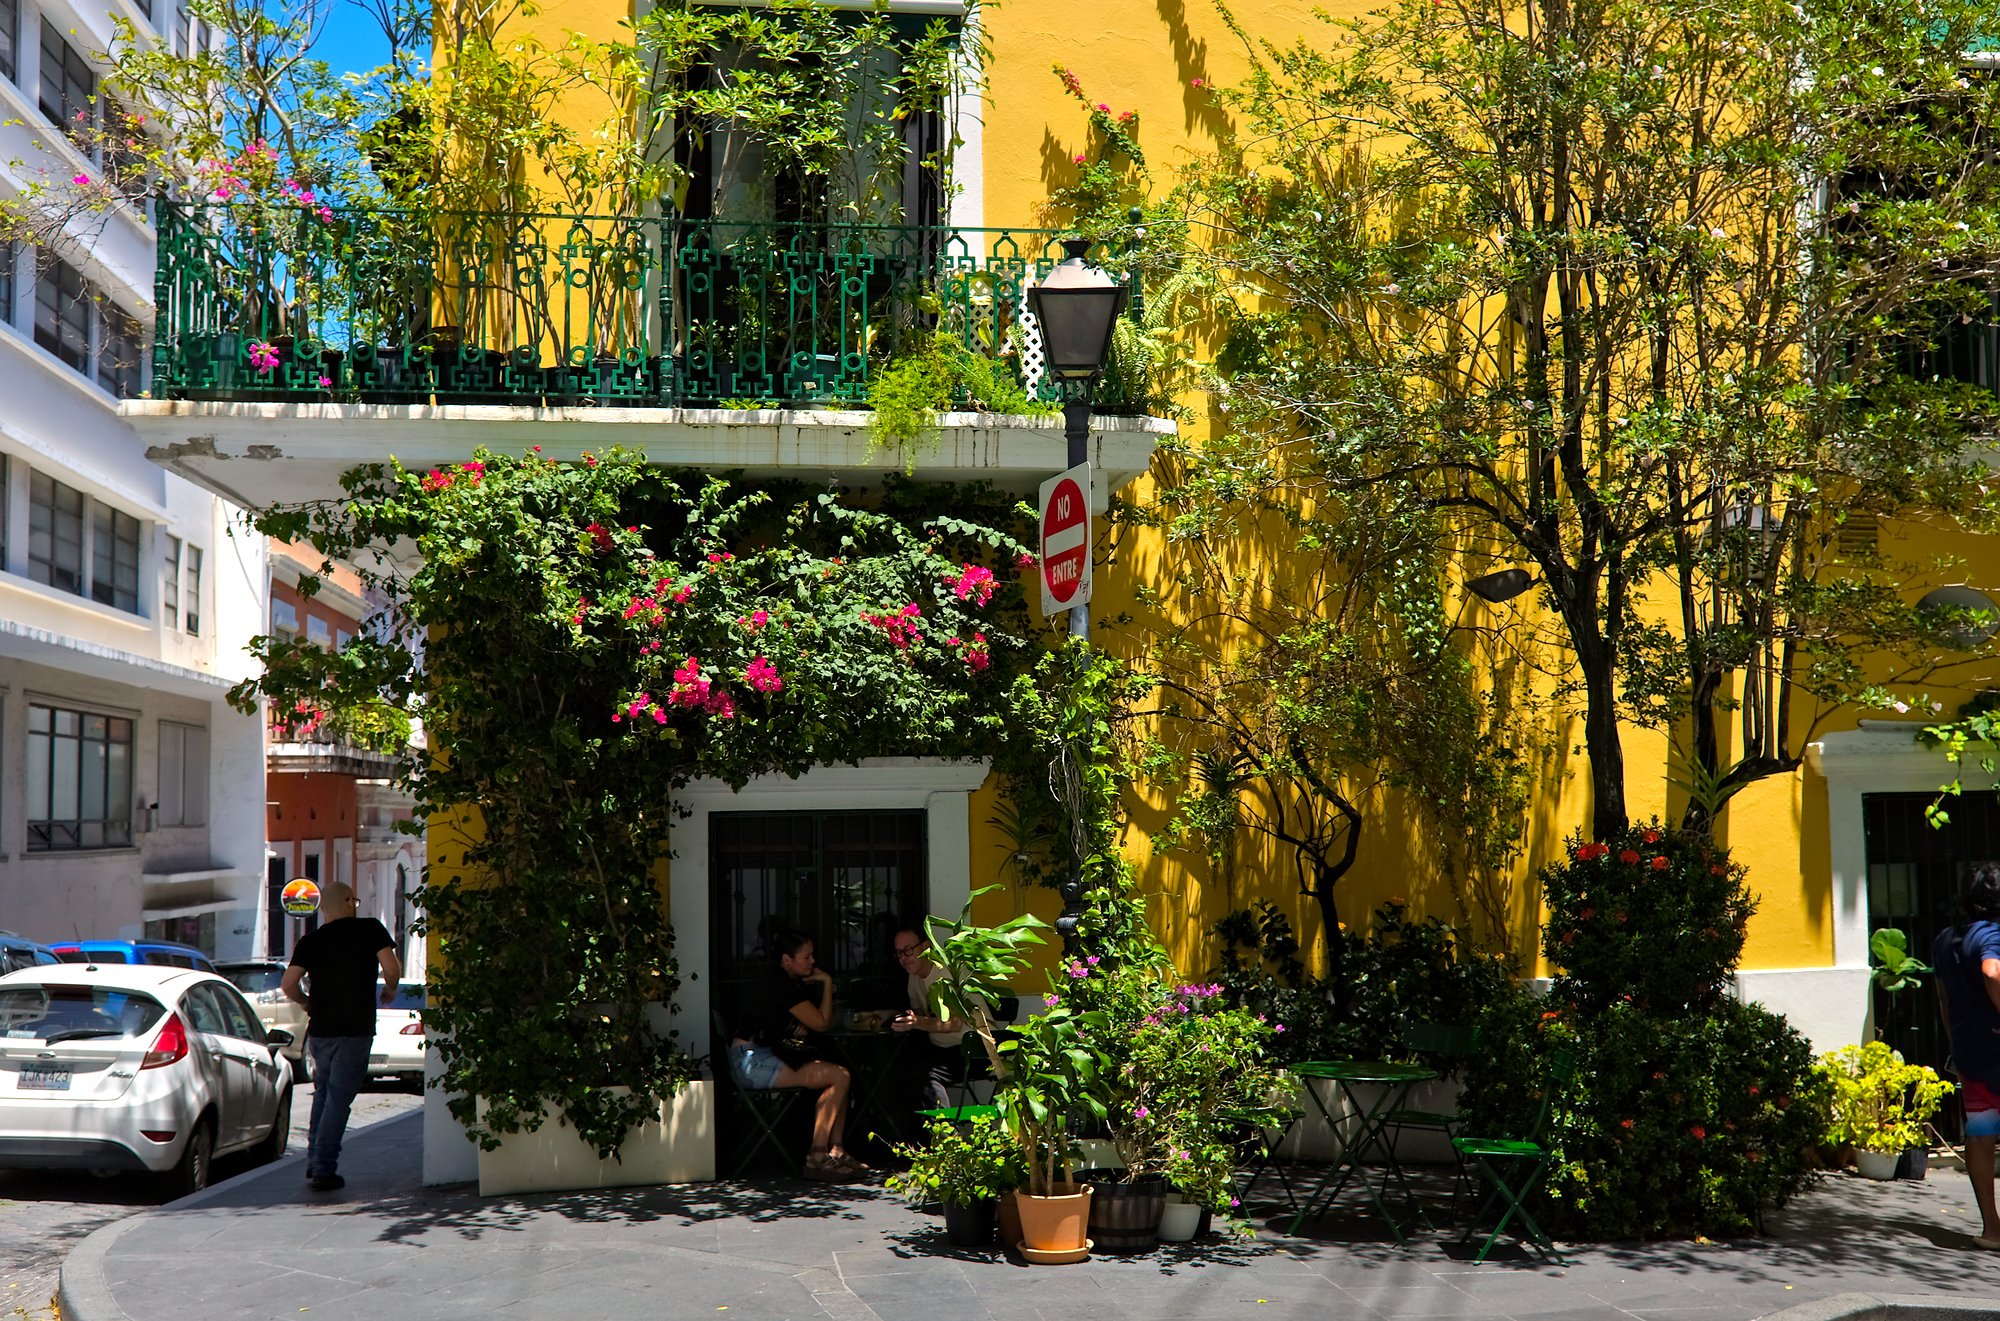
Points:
[[1881, 1307], [81, 1290]]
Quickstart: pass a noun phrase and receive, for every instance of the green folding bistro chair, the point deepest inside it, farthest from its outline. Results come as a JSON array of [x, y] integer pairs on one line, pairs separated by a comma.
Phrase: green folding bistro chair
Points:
[[763, 1114], [1451, 1046], [1514, 1167]]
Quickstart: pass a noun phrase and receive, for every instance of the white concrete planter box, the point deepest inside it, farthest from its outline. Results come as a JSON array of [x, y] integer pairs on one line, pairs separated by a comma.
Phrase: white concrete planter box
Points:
[[678, 1147], [1311, 1139]]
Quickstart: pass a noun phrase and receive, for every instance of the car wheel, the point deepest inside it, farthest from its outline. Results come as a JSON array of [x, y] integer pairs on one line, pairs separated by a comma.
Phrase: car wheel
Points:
[[275, 1142], [197, 1161]]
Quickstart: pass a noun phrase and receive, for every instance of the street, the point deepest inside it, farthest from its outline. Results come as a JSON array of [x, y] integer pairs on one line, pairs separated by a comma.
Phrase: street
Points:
[[43, 1215]]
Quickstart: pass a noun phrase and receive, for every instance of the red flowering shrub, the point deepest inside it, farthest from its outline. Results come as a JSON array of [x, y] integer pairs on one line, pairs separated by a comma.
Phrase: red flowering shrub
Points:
[[1690, 1112], [1685, 907]]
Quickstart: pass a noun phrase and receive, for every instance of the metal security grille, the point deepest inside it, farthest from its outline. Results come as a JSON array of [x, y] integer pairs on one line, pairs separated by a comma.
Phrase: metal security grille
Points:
[[1915, 872], [847, 879]]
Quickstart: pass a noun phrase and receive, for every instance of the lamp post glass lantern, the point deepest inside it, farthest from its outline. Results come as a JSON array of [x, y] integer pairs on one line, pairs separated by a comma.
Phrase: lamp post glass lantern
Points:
[[1076, 306]]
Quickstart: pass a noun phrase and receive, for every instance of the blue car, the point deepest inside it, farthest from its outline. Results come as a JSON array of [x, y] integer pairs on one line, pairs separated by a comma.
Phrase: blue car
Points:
[[17, 952], [158, 953]]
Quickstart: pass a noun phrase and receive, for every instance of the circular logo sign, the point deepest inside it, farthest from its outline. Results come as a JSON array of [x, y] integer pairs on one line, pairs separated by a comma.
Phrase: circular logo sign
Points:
[[301, 898], [1065, 540]]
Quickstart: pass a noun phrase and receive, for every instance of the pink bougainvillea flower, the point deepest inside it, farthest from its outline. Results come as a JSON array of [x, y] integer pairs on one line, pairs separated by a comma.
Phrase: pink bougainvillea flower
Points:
[[600, 536], [1197, 83], [1079, 158], [1024, 561], [325, 382], [763, 676], [975, 580], [81, 181], [437, 480]]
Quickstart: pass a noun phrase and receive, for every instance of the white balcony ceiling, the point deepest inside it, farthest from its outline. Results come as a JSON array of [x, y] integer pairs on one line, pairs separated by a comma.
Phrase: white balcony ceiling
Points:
[[263, 454]]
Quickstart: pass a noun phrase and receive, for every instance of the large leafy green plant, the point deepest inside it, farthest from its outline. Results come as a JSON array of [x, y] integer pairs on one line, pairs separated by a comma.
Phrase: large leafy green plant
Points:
[[581, 640]]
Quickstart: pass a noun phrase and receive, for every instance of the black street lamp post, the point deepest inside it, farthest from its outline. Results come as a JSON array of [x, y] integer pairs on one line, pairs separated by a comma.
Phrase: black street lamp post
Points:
[[1076, 307]]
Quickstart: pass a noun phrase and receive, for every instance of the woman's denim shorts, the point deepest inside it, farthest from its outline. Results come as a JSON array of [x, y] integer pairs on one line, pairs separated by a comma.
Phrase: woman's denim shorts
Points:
[[755, 1068]]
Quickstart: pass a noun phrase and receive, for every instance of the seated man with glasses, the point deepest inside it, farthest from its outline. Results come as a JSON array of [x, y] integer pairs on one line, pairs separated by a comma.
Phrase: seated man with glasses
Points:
[[942, 1058]]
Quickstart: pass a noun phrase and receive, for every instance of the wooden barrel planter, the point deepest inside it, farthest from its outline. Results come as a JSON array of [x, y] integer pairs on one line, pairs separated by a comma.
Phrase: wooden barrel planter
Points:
[[1125, 1217]]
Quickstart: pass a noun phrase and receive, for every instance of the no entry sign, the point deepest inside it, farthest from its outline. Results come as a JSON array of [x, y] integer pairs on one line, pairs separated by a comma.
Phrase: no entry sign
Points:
[[1066, 540]]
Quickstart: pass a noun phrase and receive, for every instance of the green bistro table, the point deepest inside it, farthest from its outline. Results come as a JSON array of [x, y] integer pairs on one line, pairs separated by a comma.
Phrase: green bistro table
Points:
[[1395, 1081]]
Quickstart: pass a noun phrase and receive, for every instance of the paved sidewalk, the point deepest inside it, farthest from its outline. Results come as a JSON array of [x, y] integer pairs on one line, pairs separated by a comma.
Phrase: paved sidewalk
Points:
[[262, 1247]]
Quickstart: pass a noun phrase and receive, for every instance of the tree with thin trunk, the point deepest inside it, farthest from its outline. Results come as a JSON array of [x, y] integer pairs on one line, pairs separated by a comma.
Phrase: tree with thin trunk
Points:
[[1674, 304]]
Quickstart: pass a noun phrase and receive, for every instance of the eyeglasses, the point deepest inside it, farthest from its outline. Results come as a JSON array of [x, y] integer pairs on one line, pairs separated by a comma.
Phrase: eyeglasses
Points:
[[904, 951]]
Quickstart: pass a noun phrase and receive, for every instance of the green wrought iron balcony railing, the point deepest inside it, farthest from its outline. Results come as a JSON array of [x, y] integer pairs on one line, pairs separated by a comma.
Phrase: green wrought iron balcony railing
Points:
[[381, 306]]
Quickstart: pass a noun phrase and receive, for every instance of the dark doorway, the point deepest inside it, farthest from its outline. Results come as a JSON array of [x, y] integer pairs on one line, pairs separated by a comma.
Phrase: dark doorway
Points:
[[1914, 874], [846, 879]]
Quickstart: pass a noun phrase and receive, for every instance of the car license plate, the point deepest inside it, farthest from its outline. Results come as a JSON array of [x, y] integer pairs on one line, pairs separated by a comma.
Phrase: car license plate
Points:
[[35, 1078]]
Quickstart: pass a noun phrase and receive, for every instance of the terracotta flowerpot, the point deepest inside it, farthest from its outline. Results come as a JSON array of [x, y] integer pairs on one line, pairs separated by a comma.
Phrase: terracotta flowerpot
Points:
[[1056, 1223]]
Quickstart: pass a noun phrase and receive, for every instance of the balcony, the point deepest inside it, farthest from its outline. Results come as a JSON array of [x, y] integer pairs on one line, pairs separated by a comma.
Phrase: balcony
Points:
[[293, 344]]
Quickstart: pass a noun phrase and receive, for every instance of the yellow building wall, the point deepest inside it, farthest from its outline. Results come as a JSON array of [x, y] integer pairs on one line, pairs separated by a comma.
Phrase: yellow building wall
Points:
[[1148, 57]]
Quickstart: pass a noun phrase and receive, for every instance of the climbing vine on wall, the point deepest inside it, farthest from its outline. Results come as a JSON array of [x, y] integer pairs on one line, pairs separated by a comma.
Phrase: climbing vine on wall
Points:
[[593, 637]]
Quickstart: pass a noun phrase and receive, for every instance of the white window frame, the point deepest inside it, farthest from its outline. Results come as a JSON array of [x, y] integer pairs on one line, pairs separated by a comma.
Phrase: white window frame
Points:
[[182, 793]]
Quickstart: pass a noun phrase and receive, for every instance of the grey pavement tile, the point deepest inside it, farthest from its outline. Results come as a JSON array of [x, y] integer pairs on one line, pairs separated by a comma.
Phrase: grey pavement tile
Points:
[[1417, 1301], [1689, 1314]]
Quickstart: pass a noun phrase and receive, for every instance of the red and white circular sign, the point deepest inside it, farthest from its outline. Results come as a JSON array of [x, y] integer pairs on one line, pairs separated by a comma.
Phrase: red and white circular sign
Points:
[[1066, 540]]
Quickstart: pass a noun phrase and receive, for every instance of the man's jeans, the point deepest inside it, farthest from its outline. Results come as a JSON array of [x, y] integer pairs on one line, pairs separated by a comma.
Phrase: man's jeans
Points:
[[340, 1066]]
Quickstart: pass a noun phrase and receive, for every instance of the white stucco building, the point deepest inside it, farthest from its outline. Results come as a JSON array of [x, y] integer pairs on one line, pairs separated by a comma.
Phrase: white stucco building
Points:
[[131, 795]]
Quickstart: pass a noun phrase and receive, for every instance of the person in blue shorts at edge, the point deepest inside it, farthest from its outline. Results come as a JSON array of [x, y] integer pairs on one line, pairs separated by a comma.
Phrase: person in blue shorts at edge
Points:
[[1967, 959], [775, 1045]]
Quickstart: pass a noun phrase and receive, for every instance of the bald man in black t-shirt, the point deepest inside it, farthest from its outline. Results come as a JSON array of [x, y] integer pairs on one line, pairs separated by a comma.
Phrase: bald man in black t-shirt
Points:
[[341, 957]]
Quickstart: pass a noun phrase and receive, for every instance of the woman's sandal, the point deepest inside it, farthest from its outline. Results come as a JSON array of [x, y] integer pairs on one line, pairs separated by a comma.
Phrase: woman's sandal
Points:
[[827, 1168], [823, 1168]]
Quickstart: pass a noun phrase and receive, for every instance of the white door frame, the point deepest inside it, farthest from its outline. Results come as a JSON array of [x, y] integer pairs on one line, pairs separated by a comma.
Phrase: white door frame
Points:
[[1831, 1004], [942, 787]]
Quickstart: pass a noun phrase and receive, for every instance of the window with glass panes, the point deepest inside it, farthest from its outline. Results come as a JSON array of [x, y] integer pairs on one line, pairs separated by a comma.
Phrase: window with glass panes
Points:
[[62, 312], [10, 39], [114, 558], [191, 590], [79, 780], [170, 585], [10, 256], [55, 533], [68, 85], [120, 352]]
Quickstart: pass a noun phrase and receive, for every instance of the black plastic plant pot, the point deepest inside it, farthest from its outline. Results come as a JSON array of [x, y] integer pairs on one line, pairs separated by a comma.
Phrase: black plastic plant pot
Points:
[[970, 1226]]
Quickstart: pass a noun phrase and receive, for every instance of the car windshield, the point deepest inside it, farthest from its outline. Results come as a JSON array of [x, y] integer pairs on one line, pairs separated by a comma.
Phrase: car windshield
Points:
[[72, 1013], [409, 995], [251, 981]]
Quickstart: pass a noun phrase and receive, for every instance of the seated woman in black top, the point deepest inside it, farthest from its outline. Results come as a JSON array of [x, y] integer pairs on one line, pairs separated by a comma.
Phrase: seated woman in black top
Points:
[[772, 1048]]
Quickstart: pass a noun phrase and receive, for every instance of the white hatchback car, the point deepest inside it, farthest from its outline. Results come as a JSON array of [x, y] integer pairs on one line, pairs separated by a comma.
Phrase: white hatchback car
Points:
[[398, 1051], [132, 1067]]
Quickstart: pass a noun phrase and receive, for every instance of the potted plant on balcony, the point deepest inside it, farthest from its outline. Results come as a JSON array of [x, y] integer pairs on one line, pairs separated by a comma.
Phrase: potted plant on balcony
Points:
[[1880, 1104], [966, 1170]]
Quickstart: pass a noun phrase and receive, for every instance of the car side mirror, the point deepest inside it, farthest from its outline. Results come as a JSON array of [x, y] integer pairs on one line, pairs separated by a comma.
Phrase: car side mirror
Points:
[[277, 1036]]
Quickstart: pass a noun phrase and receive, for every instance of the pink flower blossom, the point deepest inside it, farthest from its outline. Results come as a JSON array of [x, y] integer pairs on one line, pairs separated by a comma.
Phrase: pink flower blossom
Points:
[[264, 357], [324, 382], [975, 580], [1079, 158], [763, 676], [81, 181], [1197, 83], [1140, 1112]]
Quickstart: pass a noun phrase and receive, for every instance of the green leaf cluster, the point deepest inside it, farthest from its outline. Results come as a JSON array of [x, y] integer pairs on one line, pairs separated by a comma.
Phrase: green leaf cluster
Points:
[[581, 641]]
